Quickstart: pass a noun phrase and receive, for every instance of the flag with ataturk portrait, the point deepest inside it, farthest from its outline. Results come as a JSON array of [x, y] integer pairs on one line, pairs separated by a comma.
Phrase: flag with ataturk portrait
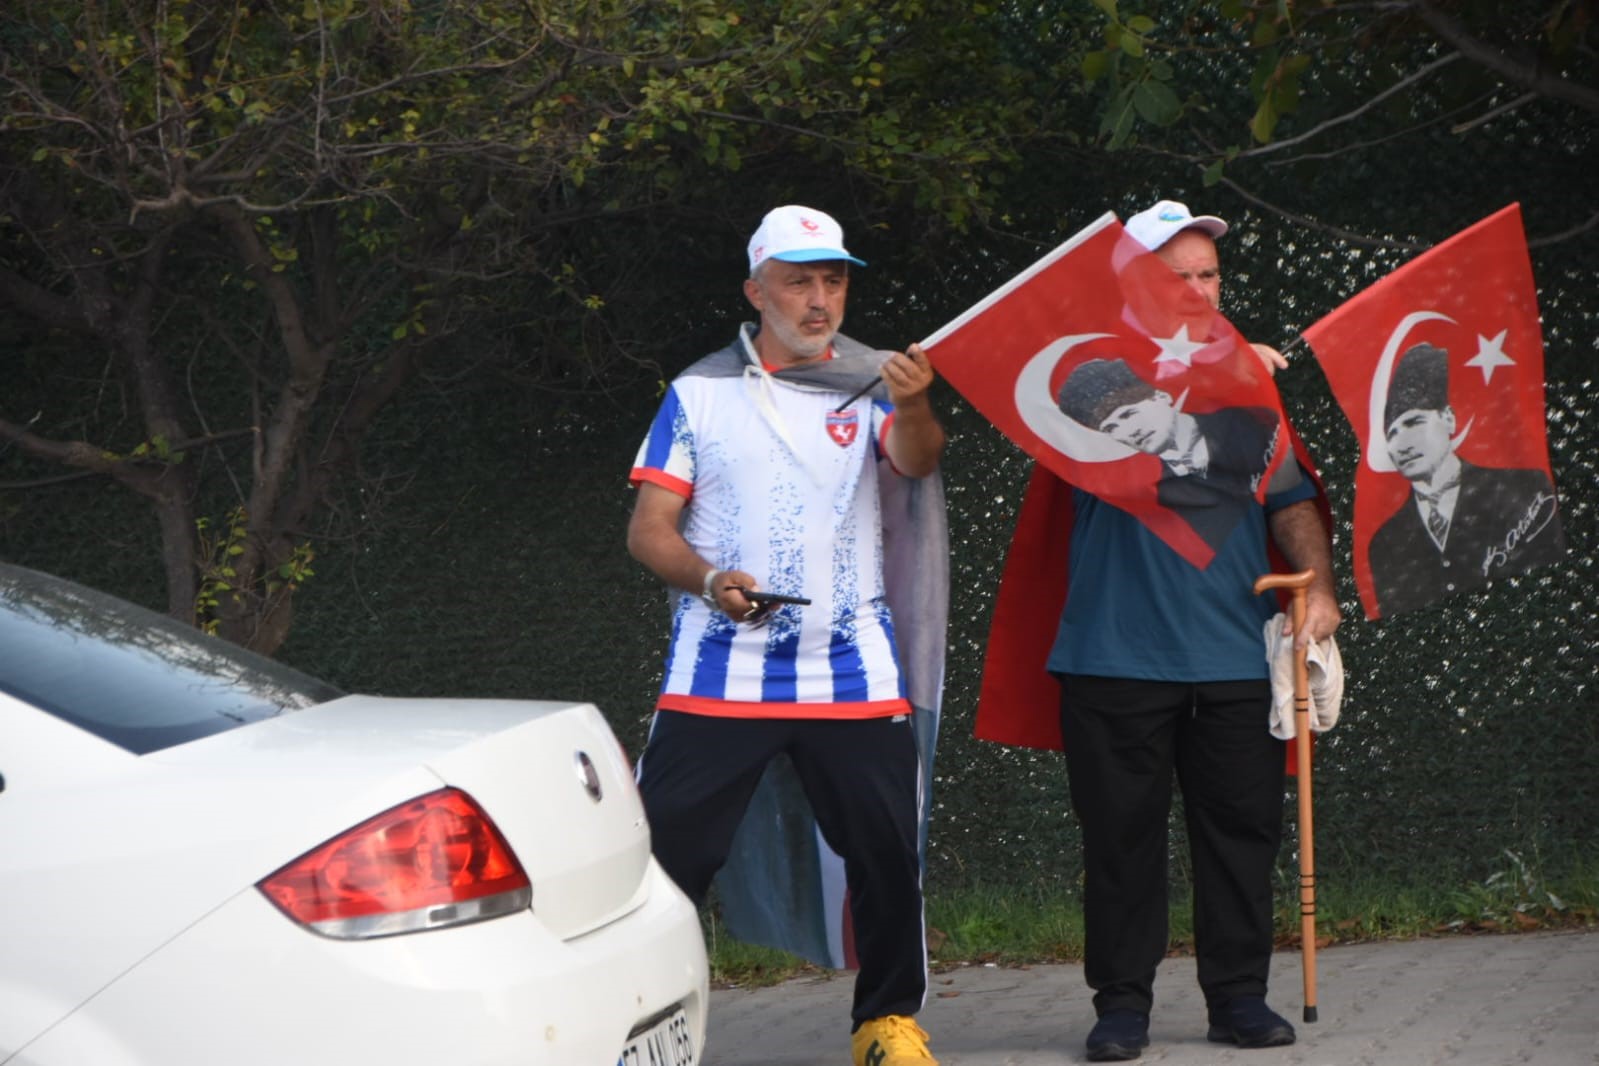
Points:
[[1439, 369], [1121, 379], [1101, 301]]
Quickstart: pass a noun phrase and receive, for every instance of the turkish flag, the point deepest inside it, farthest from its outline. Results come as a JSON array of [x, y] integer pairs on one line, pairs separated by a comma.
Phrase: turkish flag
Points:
[[1439, 369], [1112, 372]]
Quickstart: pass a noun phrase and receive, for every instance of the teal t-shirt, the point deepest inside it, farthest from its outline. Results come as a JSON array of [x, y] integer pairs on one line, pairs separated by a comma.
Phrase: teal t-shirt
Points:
[[1137, 609]]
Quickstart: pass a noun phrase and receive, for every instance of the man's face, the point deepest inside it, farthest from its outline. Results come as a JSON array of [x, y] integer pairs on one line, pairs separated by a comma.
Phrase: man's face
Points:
[[802, 304], [1149, 425], [1419, 441], [1192, 254]]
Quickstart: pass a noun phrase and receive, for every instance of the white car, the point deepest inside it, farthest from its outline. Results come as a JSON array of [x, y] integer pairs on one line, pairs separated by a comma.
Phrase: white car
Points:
[[207, 857]]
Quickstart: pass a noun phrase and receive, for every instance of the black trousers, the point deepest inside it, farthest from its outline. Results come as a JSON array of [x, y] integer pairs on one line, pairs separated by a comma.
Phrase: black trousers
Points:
[[1124, 740], [861, 777]]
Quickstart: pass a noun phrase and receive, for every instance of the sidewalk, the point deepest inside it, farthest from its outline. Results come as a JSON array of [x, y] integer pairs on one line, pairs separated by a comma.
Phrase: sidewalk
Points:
[[1477, 1000]]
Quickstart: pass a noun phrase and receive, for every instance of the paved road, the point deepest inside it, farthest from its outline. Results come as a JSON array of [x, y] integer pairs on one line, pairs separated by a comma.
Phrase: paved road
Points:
[[1477, 1000]]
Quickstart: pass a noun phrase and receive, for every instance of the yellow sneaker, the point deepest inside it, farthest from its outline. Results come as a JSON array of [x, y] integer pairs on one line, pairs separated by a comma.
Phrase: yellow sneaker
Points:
[[893, 1040]]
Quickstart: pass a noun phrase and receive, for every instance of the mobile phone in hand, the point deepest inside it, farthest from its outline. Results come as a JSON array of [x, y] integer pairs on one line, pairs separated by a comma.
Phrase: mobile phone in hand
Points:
[[771, 599]]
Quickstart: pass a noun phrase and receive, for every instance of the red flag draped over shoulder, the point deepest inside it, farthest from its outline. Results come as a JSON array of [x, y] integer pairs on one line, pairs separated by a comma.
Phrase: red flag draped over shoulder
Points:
[[1452, 339], [1133, 325]]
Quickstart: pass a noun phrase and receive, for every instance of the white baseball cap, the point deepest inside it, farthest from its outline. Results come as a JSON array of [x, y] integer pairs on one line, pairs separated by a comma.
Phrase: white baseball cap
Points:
[[797, 234], [1156, 225]]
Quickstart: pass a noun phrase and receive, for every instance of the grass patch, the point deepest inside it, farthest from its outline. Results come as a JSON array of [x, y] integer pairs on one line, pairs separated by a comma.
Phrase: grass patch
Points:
[[736, 964], [1011, 926]]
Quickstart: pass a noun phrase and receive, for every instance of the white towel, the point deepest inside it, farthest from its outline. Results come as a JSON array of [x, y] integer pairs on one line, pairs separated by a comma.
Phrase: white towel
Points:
[[1323, 666]]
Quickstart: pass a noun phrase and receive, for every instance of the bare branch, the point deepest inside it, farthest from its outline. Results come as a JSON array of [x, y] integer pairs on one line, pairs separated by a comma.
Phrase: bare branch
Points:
[[40, 303], [1535, 78], [1490, 115], [1310, 223], [1383, 242], [1397, 135], [1565, 235], [1349, 116]]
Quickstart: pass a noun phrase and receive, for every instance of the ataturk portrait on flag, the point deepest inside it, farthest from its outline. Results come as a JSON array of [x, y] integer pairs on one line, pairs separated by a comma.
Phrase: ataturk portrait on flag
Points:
[[1439, 368], [1212, 463], [1154, 403]]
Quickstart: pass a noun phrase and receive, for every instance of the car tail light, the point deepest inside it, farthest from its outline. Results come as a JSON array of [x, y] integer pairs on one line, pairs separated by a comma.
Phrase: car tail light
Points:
[[432, 862]]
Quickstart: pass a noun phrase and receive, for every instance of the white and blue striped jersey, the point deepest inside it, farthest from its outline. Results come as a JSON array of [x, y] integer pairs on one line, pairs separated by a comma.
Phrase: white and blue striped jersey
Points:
[[784, 487]]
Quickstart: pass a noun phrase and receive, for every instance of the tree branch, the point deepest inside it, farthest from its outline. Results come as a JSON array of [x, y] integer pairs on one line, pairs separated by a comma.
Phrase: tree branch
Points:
[[1310, 223], [1534, 78], [1349, 116], [40, 303], [1565, 235], [1493, 113]]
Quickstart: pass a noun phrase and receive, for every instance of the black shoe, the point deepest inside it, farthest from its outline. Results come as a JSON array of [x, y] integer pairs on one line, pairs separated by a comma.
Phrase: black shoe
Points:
[[1248, 1022], [1119, 1035]]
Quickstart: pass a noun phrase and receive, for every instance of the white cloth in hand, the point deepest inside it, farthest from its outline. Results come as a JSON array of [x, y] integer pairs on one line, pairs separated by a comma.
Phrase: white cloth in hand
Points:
[[1323, 666]]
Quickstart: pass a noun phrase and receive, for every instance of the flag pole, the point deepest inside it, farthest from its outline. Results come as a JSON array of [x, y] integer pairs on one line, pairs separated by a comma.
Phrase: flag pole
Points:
[[1299, 583]]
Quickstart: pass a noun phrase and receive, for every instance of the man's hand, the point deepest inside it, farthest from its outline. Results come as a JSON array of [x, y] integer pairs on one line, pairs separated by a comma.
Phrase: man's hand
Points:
[[1322, 617], [908, 376], [1273, 359], [727, 588], [915, 439]]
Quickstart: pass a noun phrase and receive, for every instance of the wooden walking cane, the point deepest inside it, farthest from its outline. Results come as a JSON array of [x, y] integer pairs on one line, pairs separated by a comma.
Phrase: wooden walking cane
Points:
[[1298, 583]]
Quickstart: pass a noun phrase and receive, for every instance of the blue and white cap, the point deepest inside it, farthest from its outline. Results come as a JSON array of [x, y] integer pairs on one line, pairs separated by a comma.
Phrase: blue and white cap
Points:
[[798, 235], [1156, 225]]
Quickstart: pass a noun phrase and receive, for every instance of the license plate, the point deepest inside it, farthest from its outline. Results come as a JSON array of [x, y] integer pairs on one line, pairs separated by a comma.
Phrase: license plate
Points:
[[665, 1042]]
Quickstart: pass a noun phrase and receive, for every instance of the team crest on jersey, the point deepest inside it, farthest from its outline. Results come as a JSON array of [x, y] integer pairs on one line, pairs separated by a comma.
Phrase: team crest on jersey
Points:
[[841, 426]]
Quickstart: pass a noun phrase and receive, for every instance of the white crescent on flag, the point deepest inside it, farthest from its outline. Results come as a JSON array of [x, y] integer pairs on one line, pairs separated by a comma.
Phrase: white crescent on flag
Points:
[[1036, 405]]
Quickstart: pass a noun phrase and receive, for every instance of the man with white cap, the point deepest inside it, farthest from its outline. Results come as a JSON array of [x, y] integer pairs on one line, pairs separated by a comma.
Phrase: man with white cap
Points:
[[1162, 672], [1187, 243], [766, 466]]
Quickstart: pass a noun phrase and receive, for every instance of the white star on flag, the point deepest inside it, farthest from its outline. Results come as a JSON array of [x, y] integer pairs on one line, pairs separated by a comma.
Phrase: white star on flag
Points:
[[1490, 355], [1176, 348]]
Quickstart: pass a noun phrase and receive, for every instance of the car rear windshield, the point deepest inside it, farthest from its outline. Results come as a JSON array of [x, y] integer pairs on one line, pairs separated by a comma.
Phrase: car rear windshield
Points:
[[128, 675]]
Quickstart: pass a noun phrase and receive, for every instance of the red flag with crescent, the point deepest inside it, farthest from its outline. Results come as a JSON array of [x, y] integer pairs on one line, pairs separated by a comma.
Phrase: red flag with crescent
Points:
[[1439, 369], [1111, 371]]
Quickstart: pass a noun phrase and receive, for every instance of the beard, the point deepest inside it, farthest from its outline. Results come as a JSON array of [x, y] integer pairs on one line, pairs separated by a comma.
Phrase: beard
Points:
[[802, 345]]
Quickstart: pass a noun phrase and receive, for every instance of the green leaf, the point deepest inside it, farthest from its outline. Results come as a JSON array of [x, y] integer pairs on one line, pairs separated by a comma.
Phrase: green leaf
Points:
[[1141, 24], [1132, 44], [1094, 65], [1265, 120], [1156, 103], [1107, 6], [1260, 79], [1213, 173], [1118, 120]]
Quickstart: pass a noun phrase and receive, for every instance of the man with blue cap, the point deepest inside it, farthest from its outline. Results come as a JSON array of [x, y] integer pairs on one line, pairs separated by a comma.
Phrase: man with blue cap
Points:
[[769, 465]]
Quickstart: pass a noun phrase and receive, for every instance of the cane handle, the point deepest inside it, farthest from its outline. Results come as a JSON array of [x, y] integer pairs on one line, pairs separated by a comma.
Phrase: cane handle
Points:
[[1296, 582]]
